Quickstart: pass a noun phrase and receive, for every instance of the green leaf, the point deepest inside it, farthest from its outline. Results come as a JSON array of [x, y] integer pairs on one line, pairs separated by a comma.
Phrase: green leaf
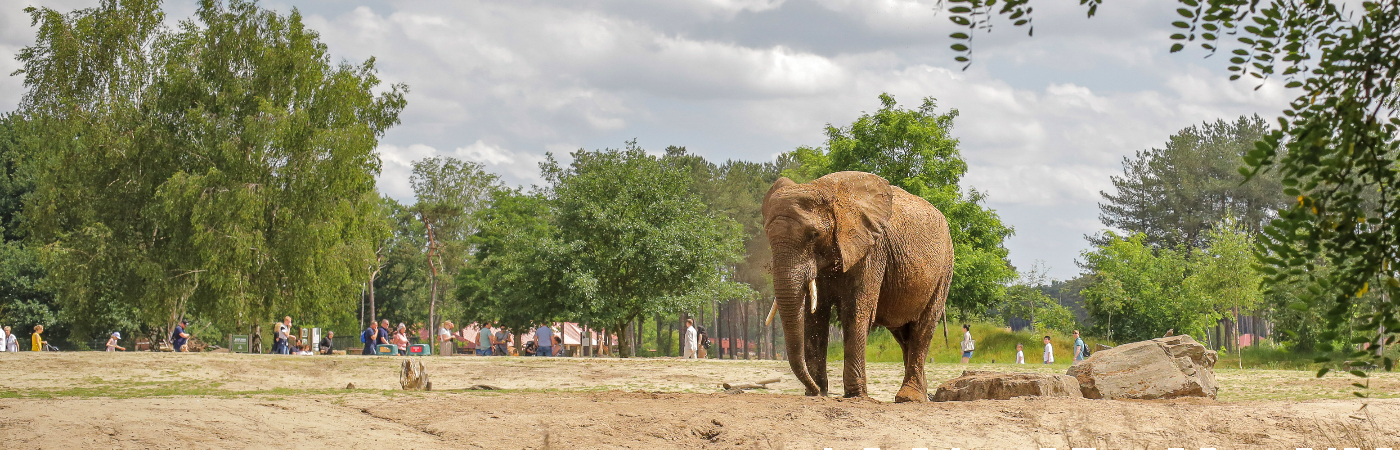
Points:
[[959, 47], [1177, 47], [1180, 24], [1322, 372], [1185, 13]]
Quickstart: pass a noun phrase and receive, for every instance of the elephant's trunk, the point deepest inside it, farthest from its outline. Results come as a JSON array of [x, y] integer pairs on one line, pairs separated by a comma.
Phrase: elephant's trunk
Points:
[[791, 303]]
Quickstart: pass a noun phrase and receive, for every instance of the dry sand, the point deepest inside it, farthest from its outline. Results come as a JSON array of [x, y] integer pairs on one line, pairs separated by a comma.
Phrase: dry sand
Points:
[[146, 400]]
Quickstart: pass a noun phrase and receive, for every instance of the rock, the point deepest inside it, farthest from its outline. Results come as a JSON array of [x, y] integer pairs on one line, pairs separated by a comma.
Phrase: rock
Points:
[[1168, 367], [350, 386], [980, 385]]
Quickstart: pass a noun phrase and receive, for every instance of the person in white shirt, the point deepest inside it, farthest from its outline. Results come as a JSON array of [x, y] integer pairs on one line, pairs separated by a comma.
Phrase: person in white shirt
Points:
[[445, 338], [12, 345], [1020, 355], [5, 339], [1049, 356], [690, 339], [968, 345]]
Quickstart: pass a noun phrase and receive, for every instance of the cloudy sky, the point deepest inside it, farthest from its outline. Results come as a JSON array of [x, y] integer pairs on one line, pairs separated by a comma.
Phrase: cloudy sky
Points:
[[1044, 120]]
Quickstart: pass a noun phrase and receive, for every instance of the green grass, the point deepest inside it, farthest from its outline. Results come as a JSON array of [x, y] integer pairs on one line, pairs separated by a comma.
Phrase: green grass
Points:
[[994, 343]]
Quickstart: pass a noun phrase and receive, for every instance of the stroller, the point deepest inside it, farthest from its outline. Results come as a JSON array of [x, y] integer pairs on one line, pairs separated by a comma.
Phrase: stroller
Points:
[[49, 347]]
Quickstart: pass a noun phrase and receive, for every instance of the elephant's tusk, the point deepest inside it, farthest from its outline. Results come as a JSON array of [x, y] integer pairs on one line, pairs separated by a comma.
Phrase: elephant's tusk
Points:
[[771, 312], [812, 289]]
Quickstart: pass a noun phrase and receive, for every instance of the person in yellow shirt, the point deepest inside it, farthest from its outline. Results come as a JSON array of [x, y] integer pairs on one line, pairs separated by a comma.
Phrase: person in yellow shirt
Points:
[[37, 340]]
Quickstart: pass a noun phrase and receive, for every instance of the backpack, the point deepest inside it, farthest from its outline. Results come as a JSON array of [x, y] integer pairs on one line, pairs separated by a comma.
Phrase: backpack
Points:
[[364, 337], [1086, 351], [705, 341]]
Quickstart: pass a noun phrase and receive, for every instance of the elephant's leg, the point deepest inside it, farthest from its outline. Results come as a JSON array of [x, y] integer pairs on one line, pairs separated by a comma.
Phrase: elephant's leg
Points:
[[856, 320], [913, 339], [818, 336]]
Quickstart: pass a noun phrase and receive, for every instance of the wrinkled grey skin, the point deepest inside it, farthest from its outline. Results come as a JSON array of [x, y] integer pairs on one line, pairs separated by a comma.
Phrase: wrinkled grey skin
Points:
[[880, 256]]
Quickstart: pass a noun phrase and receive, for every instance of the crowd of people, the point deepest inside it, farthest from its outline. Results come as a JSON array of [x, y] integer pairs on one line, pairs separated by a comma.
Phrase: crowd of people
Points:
[[378, 339]]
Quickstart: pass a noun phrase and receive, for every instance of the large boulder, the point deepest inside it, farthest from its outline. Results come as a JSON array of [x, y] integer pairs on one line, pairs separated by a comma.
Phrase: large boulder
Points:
[[980, 385], [1168, 367]]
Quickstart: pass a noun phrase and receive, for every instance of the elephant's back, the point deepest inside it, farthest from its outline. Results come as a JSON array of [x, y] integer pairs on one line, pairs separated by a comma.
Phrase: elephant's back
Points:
[[917, 223], [920, 250]]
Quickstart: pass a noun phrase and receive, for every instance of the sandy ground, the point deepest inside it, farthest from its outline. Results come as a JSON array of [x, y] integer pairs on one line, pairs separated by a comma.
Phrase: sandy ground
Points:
[[145, 400]]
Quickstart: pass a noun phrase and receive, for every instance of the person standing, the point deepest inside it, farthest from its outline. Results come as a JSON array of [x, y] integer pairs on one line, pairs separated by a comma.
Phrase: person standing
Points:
[[400, 339], [280, 343], [179, 339], [1079, 348], [968, 345], [445, 338], [1020, 355], [502, 343], [1049, 356], [544, 341], [112, 342], [383, 337], [370, 337], [703, 350], [5, 339], [12, 345], [37, 340], [485, 340], [691, 341]]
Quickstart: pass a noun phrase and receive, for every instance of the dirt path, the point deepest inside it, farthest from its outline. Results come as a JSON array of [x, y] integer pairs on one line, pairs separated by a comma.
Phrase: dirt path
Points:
[[100, 400]]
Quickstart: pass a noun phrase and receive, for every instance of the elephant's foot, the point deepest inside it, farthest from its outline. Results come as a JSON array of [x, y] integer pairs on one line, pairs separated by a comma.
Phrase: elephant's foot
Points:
[[910, 394]]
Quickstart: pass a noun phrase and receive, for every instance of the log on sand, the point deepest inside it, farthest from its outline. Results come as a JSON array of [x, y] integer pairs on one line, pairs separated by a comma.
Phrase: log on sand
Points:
[[763, 384]]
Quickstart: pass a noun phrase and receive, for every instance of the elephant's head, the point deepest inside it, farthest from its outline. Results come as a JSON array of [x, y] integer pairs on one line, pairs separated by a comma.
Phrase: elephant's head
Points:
[[819, 229]]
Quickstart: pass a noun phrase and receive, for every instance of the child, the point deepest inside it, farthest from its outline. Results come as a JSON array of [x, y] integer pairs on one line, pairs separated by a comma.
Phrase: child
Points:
[[1049, 351], [1020, 356], [112, 342], [36, 340]]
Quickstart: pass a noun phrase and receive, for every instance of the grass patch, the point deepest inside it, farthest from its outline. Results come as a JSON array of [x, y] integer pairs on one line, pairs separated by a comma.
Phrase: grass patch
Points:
[[993, 343]]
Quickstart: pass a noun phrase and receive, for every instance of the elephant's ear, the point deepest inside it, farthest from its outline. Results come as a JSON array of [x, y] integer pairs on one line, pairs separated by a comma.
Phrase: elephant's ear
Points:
[[861, 204]]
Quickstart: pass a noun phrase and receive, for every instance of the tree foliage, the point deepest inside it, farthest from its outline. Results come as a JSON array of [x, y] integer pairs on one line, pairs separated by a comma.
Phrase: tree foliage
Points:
[[1138, 291], [1335, 149], [1174, 194], [915, 150], [223, 169], [640, 238]]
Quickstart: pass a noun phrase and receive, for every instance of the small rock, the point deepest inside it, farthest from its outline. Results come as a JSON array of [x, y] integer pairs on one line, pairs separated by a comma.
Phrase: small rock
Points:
[[350, 386], [981, 385]]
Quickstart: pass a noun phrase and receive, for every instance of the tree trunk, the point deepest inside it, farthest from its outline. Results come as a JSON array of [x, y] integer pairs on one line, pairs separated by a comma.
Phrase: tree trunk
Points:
[[714, 314], [660, 351], [744, 313]]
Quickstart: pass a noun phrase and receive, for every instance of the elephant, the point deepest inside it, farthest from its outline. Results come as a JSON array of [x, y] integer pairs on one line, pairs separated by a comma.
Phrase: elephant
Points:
[[877, 254]]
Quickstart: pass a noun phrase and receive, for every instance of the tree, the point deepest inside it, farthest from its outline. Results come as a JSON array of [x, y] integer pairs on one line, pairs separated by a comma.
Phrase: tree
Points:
[[1175, 193], [401, 286], [1222, 272], [26, 299], [1139, 291], [1334, 149], [915, 150], [223, 169], [1026, 300], [521, 273], [639, 238], [449, 192]]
